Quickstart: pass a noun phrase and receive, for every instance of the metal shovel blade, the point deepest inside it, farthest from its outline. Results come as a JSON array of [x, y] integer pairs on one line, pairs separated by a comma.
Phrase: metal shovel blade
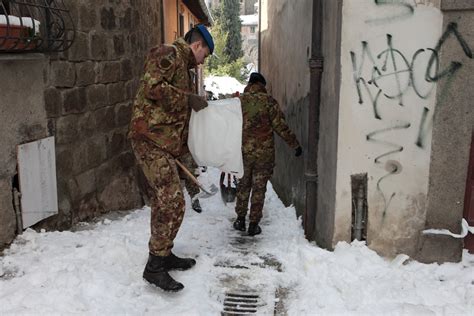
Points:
[[228, 192], [207, 192]]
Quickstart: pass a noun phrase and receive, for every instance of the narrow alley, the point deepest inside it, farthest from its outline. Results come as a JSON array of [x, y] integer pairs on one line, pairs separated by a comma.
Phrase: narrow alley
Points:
[[96, 269], [347, 124]]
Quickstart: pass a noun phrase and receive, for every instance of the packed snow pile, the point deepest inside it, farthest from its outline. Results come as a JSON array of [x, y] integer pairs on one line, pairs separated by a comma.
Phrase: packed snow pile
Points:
[[97, 270], [221, 86]]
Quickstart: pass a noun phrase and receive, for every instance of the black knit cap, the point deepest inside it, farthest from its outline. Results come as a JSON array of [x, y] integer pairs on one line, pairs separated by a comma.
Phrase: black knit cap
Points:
[[257, 77]]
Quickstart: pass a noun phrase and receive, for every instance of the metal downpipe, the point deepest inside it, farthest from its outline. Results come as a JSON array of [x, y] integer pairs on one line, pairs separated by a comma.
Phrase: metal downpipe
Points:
[[311, 166]]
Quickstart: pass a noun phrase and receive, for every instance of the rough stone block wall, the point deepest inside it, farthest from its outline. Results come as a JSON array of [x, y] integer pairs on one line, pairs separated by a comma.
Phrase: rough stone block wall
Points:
[[86, 96]]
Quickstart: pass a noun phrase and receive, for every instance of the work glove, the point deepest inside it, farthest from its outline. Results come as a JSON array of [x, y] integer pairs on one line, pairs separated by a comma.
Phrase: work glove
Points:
[[298, 151], [196, 102]]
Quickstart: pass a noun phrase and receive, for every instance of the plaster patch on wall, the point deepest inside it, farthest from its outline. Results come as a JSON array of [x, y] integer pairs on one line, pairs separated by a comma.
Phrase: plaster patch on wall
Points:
[[399, 231]]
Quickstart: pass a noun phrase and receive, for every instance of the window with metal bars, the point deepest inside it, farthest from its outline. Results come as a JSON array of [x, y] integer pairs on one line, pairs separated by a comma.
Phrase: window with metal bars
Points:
[[35, 25]]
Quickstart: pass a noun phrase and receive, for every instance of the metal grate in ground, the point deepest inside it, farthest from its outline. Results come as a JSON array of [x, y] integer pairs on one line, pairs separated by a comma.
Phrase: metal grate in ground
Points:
[[245, 277], [241, 304]]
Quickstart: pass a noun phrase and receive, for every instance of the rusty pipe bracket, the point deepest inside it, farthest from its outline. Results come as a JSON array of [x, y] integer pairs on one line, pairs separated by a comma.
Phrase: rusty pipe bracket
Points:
[[316, 64], [311, 177]]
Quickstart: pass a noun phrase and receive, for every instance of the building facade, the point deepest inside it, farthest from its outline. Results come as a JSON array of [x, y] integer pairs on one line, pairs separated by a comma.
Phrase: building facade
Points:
[[178, 18], [387, 136], [249, 33], [248, 7], [83, 97]]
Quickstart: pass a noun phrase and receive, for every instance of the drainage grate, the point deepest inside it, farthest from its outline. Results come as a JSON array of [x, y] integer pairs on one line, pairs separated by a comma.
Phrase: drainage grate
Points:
[[241, 304]]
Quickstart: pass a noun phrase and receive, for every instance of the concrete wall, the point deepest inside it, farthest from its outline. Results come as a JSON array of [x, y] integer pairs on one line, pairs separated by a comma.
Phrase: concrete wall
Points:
[[328, 129], [23, 119], [385, 106], [287, 74], [380, 114], [452, 128], [86, 104]]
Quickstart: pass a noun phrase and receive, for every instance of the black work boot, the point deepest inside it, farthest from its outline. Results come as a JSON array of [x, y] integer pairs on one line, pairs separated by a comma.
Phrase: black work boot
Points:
[[239, 223], [196, 206], [156, 274], [254, 229], [175, 263]]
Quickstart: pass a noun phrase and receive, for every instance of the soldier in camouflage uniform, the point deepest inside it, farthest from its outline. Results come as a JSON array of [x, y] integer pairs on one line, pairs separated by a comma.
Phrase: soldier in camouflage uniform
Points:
[[158, 130], [261, 117]]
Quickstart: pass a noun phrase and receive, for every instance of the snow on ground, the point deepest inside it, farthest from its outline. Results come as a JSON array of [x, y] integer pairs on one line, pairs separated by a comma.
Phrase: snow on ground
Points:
[[96, 270], [222, 85]]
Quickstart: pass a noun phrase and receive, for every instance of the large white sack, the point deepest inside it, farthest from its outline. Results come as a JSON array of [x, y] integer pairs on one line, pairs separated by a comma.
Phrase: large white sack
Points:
[[215, 136]]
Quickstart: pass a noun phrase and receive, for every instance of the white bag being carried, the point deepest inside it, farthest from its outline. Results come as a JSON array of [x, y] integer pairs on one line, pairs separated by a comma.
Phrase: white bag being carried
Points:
[[215, 136]]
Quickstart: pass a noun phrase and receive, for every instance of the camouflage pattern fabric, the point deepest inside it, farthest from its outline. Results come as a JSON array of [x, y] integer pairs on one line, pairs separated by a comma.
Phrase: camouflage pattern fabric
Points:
[[166, 196], [158, 130], [161, 111], [255, 179], [188, 161], [261, 117]]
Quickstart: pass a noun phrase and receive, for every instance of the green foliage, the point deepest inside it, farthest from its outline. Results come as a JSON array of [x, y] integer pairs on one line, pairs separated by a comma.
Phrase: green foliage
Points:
[[234, 69], [219, 57], [231, 24], [221, 64]]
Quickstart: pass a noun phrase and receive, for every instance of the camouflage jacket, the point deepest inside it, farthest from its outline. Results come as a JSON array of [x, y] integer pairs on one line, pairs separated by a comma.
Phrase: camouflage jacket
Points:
[[261, 117], [161, 111]]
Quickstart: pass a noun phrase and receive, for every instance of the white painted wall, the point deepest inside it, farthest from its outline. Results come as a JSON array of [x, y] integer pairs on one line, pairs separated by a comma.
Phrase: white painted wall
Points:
[[382, 132]]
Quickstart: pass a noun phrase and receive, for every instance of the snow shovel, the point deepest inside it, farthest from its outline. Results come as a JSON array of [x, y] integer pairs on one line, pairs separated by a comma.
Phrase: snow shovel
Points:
[[227, 191], [206, 192]]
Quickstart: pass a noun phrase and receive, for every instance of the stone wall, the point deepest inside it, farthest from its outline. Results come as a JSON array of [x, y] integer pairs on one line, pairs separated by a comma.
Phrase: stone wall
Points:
[[88, 93], [88, 99]]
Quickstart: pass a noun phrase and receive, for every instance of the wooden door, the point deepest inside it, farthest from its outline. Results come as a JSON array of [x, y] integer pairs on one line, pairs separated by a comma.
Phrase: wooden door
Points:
[[469, 199]]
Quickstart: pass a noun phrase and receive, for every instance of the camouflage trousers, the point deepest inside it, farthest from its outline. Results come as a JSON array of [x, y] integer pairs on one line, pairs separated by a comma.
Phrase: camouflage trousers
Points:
[[254, 180], [166, 195], [188, 161]]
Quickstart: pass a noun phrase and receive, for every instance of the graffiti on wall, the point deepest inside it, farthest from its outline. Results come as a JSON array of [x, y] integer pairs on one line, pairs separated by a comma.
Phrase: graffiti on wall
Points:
[[397, 10], [393, 75]]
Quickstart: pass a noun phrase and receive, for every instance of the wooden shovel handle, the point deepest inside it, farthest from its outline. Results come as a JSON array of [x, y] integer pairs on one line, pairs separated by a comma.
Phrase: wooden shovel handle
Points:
[[191, 176]]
